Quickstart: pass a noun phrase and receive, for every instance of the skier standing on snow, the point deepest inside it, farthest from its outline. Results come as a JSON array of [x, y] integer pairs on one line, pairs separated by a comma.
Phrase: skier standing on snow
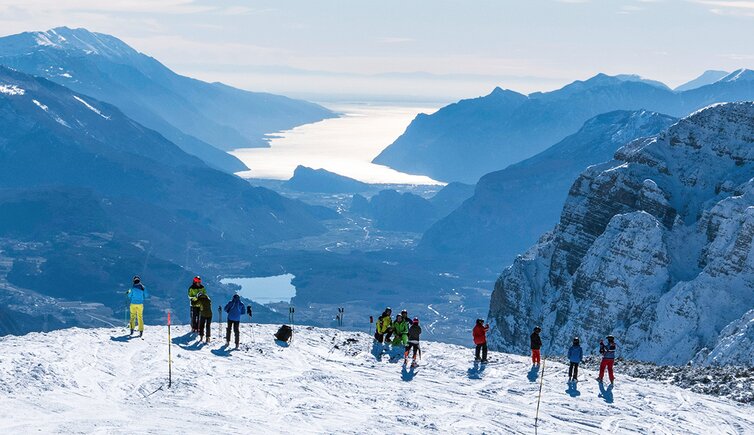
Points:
[[235, 308], [205, 315], [536, 345], [480, 340], [194, 291], [136, 296], [575, 355], [414, 331], [408, 320], [400, 327], [608, 358], [384, 326]]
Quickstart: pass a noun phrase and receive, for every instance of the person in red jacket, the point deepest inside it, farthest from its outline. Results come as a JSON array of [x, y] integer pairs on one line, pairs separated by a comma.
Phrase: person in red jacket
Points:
[[480, 340]]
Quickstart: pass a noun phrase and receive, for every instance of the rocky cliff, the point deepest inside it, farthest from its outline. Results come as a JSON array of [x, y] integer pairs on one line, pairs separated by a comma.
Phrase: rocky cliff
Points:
[[654, 247]]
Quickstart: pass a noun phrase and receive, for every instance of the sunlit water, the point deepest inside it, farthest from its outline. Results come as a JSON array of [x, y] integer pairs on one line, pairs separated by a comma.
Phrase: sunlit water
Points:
[[265, 290], [344, 145]]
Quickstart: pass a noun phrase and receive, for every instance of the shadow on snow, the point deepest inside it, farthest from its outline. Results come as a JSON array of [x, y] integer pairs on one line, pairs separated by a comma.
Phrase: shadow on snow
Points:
[[476, 371], [606, 393]]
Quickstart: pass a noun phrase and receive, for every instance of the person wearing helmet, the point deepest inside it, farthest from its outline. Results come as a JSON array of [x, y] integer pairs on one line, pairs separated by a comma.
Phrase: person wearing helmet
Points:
[[414, 331], [404, 314], [400, 328], [608, 358], [205, 316], [194, 291], [536, 345], [384, 326], [136, 296], [575, 355], [480, 340]]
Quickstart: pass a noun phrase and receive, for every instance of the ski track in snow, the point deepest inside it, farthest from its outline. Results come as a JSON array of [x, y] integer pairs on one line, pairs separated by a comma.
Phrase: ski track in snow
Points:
[[95, 380]]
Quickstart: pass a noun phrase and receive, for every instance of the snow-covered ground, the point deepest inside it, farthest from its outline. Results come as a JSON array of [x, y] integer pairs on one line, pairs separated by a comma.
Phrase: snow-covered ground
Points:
[[326, 381]]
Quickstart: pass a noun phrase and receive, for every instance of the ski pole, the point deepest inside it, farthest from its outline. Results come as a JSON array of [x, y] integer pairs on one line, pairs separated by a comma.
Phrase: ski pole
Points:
[[371, 320], [291, 311], [249, 312], [220, 321]]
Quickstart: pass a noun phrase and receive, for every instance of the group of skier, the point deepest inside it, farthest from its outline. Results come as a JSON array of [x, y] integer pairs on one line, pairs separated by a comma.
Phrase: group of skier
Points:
[[576, 356], [405, 331], [201, 310]]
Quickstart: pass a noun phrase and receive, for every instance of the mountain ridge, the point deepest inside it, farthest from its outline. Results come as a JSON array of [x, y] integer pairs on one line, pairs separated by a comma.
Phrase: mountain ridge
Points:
[[465, 140], [512, 207], [202, 118]]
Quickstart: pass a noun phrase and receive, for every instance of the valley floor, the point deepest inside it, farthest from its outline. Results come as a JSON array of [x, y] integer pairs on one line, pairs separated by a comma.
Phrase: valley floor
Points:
[[326, 381]]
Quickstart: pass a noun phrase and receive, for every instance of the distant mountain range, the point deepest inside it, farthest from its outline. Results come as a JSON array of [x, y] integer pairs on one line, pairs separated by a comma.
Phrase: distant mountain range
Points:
[[394, 211], [654, 247], [511, 208], [201, 118], [89, 197], [465, 140], [707, 78]]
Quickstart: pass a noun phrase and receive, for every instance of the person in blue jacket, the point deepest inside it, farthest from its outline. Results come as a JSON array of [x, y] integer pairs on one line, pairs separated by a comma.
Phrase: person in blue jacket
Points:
[[575, 356], [235, 308], [136, 296]]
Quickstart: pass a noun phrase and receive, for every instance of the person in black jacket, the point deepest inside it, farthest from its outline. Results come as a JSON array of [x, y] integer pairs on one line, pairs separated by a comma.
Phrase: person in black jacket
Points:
[[536, 345], [414, 331]]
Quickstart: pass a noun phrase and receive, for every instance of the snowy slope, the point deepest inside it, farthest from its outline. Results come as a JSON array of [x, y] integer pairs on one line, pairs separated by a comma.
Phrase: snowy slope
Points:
[[92, 380]]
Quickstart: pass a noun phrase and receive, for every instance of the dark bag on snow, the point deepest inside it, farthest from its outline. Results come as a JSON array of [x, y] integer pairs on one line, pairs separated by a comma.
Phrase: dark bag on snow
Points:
[[284, 333]]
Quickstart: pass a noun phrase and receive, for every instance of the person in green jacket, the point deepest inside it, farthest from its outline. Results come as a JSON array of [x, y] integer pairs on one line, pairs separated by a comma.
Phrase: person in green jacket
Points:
[[400, 328], [205, 315], [193, 293]]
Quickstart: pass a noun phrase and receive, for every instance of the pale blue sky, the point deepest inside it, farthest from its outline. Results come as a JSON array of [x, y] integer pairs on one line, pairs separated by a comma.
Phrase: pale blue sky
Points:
[[311, 48]]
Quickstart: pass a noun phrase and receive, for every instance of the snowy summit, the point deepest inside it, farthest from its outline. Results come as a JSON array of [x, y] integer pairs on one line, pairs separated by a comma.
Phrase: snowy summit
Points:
[[326, 381]]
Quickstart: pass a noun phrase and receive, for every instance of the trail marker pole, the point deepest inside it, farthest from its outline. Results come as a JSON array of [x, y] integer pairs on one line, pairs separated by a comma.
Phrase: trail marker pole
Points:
[[170, 356], [539, 398]]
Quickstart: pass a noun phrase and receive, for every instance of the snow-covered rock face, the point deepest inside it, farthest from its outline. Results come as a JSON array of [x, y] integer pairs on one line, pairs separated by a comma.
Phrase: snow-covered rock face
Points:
[[655, 248]]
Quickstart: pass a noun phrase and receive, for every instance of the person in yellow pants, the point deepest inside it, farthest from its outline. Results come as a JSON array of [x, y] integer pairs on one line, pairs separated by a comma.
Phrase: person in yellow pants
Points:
[[136, 295]]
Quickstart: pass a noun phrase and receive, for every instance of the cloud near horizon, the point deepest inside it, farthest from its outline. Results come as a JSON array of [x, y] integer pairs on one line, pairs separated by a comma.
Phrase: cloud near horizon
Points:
[[525, 46]]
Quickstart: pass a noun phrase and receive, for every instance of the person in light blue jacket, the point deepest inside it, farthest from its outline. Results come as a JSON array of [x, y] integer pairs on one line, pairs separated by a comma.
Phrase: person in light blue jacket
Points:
[[575, 355], [235, 308], [136, 296]]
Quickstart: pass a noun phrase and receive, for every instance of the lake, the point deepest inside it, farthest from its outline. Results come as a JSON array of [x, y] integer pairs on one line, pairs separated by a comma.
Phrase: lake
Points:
[[344, 145], [265, 290]]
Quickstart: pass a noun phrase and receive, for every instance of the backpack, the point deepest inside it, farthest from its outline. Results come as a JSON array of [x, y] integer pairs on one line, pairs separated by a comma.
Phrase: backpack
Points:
[[284, 333]]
